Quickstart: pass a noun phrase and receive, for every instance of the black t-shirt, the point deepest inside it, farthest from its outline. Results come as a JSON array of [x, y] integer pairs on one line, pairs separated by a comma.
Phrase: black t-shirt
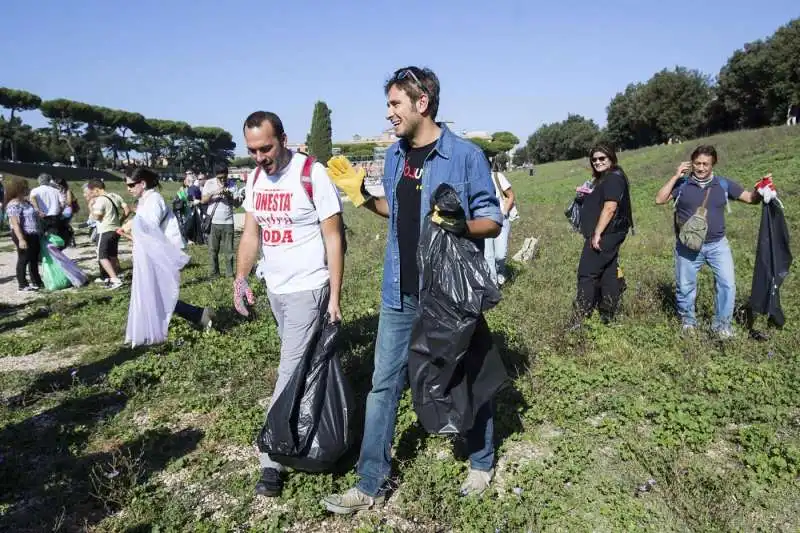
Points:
[[409, 196], [612, 187]]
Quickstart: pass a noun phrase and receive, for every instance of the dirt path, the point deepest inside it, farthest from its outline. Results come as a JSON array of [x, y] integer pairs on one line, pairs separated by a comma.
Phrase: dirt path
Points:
[[84, 254]]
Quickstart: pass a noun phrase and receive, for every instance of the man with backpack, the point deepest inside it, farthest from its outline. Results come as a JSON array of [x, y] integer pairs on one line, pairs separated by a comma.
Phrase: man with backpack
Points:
[[294, 211], [110, 211], [701, 199]]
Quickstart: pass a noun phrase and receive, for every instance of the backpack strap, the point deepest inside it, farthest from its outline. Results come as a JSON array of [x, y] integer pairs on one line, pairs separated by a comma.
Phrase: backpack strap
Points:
[[113, 204], [725, 187], [305, 178]]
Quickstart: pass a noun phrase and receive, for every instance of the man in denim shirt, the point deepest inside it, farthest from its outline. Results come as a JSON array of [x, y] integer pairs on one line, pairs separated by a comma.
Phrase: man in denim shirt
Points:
[[427, 155]]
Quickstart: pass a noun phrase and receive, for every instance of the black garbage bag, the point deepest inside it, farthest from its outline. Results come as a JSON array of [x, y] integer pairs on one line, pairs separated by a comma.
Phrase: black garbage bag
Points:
[[773, 260], [308, 426], [454, 367], [193, 226]]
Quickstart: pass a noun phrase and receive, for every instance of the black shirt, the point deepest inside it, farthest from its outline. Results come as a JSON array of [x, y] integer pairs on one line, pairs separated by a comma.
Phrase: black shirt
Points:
[[409, 196], [611, 187]]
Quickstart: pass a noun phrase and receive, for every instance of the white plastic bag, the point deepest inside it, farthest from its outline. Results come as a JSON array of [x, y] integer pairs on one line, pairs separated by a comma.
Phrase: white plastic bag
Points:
[[157, 264]]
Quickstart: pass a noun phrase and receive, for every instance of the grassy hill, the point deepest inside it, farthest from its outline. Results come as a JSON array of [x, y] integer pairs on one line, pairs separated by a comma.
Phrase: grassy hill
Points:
[[628, 427]]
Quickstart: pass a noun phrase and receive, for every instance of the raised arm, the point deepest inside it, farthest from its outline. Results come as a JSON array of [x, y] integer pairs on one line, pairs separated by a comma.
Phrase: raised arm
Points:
[[664, 193]]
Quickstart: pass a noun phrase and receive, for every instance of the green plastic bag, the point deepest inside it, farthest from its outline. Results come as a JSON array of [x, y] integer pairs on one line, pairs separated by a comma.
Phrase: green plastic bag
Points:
[[52, 275]]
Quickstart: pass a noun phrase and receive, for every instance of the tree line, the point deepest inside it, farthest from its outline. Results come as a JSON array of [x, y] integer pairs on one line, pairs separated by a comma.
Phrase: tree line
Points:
[[755, 88], [98, 136]]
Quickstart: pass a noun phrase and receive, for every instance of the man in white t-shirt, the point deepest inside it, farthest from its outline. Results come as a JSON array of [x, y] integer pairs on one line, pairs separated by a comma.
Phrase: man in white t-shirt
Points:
[[299, 226], [46, 199], [495, 250]]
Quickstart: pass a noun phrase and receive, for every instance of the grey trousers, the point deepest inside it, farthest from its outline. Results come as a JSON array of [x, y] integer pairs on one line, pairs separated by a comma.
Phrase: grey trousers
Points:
[[220, 240], [299, 316]]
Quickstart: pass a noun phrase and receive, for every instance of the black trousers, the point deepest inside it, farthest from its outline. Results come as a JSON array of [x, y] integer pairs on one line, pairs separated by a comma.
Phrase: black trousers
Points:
[[28, 258], [598, 286], [189, 312]]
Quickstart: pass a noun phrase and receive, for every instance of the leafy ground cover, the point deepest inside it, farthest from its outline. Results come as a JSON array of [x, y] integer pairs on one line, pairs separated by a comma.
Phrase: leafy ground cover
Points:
[[627, 427]]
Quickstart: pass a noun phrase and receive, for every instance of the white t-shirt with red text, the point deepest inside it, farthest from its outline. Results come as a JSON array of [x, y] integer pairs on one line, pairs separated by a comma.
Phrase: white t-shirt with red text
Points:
[[293, 252]]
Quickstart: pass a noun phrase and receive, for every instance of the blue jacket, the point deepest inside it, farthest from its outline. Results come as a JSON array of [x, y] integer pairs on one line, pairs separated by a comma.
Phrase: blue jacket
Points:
[[455, 161]]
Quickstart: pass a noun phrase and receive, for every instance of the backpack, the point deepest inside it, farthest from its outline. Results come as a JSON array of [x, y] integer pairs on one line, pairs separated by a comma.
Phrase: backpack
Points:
[[308, 186], [692, 232]]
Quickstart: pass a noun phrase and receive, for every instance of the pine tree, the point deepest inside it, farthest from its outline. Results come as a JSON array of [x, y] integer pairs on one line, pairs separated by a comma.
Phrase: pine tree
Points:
[[319, 140]]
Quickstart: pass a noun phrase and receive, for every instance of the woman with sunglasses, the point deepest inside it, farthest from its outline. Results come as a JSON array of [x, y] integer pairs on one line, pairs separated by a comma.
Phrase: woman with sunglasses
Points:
[[158, 258], [606, 218]]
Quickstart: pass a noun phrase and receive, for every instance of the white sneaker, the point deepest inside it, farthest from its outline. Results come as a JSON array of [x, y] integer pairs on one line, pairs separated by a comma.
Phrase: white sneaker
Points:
[[724, 334], [477, 482], [501, 279], [351, 501], [101, 280], [114, 284]]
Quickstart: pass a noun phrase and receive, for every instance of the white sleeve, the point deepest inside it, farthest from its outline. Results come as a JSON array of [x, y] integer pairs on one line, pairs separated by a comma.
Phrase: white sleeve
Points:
[[247, 204], [504, 183], [326, 197]]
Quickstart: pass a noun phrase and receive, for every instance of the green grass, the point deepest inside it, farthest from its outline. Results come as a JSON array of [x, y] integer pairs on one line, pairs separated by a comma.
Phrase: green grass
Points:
[[134, 440]]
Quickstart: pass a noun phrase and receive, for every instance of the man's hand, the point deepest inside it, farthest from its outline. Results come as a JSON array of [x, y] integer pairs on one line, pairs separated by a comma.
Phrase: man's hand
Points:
[[242, 296], [23, 244], [766, 189], [684, 168], [348, 179], [596, 242], [334, 313], [455, 225]]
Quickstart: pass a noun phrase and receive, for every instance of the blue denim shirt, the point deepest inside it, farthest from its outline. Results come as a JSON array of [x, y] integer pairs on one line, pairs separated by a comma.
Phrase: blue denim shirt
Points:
[[455, 161]]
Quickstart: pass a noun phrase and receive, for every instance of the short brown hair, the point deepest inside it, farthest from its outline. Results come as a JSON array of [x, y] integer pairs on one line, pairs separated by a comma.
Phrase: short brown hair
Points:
[[415, 81], [257, 118], [16, 189], [96, 184]]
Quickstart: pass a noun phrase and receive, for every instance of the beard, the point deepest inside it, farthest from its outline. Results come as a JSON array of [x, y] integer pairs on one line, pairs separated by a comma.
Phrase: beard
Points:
[[279, 163]]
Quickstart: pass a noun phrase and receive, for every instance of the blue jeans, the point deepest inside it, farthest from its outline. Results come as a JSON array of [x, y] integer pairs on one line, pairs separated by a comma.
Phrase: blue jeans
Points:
[[495, 250], [716, 255], [388, 382]]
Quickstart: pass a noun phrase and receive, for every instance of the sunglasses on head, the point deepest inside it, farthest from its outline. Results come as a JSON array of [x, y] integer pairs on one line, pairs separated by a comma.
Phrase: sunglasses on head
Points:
[[599, 159], [408, 73]]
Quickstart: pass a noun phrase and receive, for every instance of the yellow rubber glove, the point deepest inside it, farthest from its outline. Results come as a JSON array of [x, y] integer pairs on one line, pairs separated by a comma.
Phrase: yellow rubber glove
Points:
[[348, 179], [453, 224]]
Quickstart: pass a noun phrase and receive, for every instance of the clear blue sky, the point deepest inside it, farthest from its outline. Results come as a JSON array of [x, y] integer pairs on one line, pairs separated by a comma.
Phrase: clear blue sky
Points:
[[505, 65]]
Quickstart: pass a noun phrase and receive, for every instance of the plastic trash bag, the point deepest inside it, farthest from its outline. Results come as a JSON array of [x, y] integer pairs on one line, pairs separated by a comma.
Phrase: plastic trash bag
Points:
[[773, 261], [573, 210], [454, 367], [69, 268], [308, 426], [157, 264], [53, 277]]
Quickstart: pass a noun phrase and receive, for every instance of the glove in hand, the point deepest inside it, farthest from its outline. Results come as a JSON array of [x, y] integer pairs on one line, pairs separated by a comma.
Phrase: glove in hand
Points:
[[453, 224], [766, 188], [242, 296], [348, 179]]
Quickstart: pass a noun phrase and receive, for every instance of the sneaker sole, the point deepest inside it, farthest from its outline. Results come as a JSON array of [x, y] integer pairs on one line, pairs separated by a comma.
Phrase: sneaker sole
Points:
[[338, 509]]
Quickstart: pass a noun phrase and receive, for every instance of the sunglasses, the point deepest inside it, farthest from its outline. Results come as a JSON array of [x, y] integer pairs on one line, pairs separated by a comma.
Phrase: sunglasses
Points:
[[599, 159], [408, 73], [131, 185]]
